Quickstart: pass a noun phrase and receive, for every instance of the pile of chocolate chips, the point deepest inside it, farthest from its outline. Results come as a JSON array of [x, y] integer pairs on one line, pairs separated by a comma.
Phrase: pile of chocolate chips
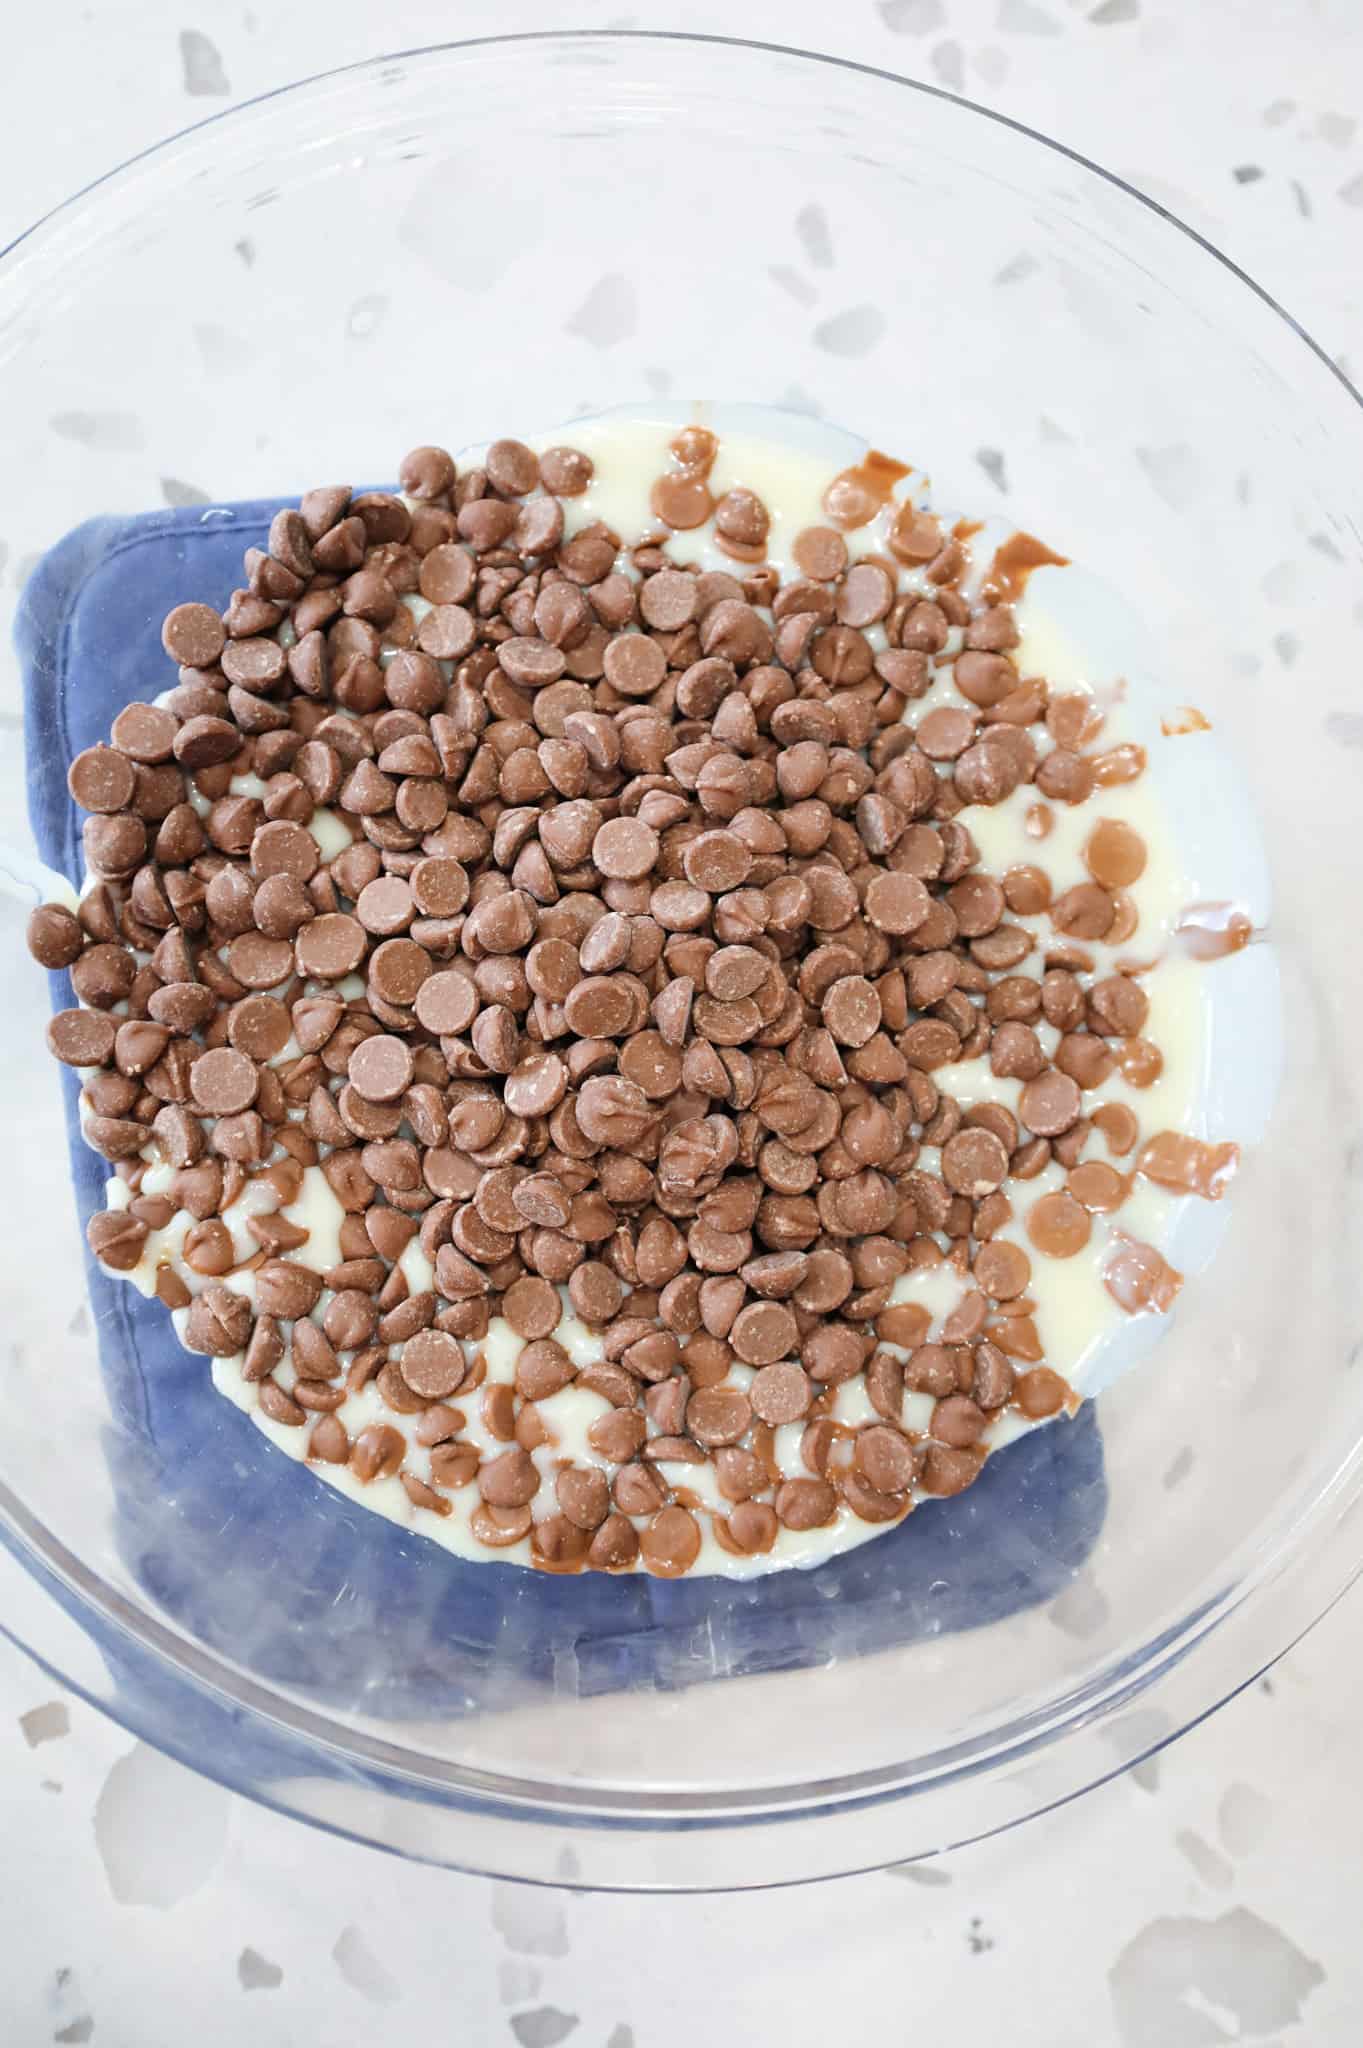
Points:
[[669, 933]]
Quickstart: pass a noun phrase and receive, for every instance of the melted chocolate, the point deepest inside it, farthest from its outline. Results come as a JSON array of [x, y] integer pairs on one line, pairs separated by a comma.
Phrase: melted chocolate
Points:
[[1186, 719], [856, 495], [1139, 1279], [1212, 931], [1188, 1166], [1014, 561]]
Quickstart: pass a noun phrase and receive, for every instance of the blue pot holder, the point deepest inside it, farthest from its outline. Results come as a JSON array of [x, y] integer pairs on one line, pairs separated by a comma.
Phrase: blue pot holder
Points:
[[250, 1554]]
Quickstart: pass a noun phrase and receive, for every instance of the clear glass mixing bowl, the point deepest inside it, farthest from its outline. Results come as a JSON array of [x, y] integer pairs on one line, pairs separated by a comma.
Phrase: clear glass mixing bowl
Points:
[[496, 236]]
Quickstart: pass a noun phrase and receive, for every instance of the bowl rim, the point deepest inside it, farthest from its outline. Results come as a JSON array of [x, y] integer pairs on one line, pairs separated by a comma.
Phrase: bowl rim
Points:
[[1098, 1696], [692, 38]]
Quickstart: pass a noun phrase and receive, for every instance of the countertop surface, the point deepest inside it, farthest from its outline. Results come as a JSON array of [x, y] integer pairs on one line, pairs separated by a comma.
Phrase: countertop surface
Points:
[[1206, 1896]]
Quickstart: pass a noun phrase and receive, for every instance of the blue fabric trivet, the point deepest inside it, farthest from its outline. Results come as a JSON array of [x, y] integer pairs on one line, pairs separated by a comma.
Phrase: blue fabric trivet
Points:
[[248, 1552]]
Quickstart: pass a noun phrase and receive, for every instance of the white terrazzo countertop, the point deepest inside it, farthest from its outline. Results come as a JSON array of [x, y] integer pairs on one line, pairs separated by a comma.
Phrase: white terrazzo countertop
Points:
[[1207, 1896]]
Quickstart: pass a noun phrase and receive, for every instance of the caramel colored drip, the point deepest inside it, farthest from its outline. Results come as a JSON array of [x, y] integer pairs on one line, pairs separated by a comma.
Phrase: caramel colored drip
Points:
[[965, 530], [856, 495], [1188, 1166], [1138, 1278], [1187, 718], [1213, 931], [1014, 562]]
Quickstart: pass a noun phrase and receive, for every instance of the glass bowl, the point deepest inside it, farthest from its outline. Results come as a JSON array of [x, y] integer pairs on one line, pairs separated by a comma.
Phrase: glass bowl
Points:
[[499, 235]]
